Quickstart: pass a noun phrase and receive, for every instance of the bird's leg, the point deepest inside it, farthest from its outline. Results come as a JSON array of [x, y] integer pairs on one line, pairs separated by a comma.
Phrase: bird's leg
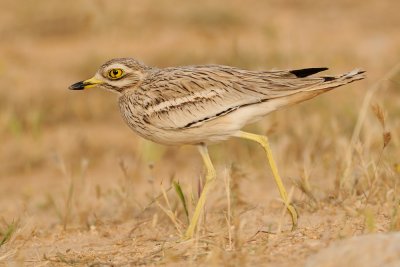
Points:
[[210, 177], [263, 141]]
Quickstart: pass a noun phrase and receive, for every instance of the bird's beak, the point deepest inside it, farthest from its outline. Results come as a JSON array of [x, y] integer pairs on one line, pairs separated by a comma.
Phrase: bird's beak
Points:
[[85, 84]]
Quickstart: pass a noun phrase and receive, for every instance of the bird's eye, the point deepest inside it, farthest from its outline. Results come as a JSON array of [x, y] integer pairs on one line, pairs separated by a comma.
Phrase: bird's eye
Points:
[[114, 74]]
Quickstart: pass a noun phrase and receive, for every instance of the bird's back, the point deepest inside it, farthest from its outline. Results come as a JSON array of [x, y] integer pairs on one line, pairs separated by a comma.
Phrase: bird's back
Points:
[[208, 102]]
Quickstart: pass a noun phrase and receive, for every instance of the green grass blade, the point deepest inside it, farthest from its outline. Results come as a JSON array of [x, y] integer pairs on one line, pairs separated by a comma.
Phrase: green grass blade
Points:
[[8, 233], [181, 196]]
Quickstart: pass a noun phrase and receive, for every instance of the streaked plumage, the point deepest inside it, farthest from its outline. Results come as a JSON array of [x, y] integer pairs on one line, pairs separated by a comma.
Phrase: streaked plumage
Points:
[[204, 104]]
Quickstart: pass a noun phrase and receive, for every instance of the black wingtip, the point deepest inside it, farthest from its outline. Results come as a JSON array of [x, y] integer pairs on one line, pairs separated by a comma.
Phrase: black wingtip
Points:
[[301, 73], [328, 78]]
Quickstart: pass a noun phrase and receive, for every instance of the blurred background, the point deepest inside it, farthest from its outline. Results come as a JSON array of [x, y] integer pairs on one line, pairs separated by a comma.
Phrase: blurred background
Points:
[[57, 143]]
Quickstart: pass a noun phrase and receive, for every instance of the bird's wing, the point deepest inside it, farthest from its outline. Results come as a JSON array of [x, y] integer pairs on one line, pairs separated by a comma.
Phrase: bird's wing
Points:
[[187, 97]]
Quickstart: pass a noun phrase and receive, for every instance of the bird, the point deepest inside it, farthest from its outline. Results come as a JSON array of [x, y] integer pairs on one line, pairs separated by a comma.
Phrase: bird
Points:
[[205, 104]]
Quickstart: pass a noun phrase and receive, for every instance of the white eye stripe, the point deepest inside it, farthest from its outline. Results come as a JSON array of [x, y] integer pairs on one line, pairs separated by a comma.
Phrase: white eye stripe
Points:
[[116, 66], [120, 83]]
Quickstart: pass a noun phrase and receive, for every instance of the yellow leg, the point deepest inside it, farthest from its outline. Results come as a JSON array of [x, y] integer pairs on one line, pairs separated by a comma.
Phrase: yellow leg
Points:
[[210, 177], [263, 141]]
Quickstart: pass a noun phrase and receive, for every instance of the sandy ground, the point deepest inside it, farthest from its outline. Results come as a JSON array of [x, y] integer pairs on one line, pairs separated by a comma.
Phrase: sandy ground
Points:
[[77, 187]]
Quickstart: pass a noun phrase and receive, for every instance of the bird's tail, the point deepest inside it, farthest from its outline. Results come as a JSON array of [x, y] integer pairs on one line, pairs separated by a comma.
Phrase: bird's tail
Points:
[[331, 82], [327, 83]]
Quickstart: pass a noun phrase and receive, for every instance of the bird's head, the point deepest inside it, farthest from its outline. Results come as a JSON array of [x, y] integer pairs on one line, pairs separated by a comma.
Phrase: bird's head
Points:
[[116, 75]]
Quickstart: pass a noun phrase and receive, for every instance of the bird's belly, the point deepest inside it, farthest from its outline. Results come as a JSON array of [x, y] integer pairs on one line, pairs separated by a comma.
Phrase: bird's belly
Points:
[[211, 132], [190, 136]]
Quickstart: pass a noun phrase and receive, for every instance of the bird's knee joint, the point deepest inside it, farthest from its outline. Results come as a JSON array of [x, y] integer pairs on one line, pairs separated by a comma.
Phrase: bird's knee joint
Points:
[[211, 175], [263, 140]]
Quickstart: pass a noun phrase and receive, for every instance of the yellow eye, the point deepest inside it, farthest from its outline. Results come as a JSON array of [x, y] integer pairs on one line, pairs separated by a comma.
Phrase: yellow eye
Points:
[[114, 74]]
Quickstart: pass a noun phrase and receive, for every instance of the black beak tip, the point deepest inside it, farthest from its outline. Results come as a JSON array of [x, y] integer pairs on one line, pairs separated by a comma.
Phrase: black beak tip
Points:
[[77, 86]]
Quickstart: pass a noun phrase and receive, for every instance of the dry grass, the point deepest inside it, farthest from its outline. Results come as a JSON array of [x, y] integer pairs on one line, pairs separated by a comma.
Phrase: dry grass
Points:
[[78, 188]]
